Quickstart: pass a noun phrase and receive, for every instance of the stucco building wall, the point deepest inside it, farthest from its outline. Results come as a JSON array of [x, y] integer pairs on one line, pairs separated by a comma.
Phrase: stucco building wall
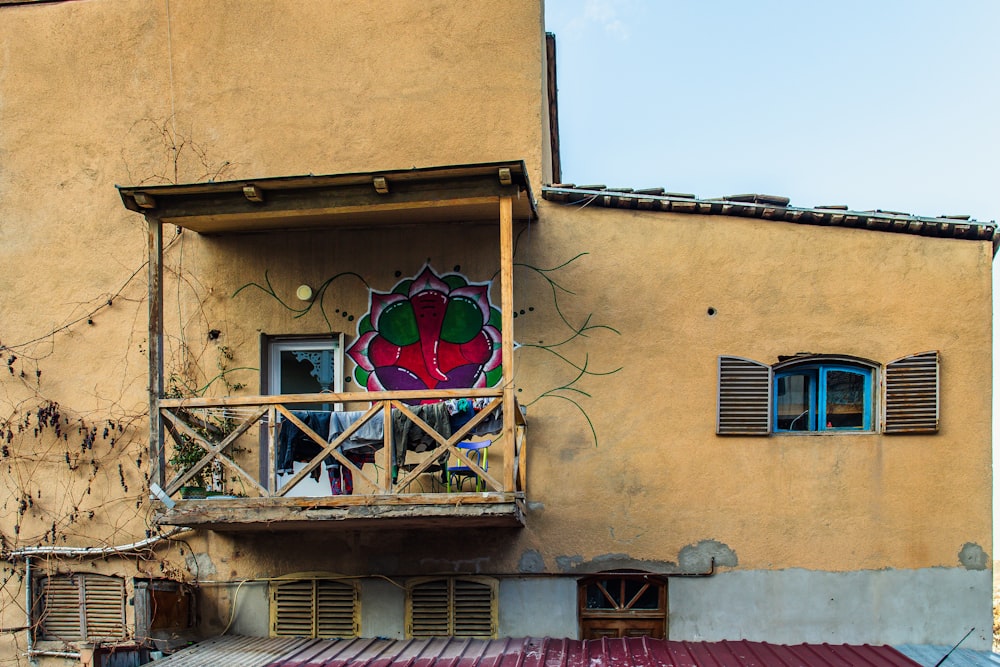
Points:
[[629, 475]]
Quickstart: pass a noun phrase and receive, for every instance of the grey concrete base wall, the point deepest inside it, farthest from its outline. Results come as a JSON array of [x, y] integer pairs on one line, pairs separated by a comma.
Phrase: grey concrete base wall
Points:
[[928, 606], [537, 607], [251, 615], [383, 609]]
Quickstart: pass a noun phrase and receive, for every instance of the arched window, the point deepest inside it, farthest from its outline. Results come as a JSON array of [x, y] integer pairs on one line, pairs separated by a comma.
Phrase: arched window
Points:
[[823, 395], [616, 605]]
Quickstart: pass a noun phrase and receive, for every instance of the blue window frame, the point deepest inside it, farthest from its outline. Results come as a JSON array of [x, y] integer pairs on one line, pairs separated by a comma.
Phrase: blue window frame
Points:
[[823, 397]]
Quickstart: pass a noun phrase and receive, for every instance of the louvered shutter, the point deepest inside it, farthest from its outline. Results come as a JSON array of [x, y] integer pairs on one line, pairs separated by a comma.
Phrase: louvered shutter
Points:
[[292, 608], [472, 608], [744, 397], [314, 608], [912, 388], [59, 609], [428, 604], [336, 603], [461, 607], [82, 606], [104, 606]]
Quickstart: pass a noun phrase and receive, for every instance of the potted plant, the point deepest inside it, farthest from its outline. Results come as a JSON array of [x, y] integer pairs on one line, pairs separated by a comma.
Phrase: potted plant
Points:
[[186, 454]]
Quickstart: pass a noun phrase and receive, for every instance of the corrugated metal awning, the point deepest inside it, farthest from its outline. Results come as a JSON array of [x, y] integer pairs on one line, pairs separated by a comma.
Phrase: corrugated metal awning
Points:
[[453, 652]]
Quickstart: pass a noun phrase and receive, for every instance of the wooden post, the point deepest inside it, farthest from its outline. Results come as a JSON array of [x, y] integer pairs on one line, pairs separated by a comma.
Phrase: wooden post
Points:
[[157, 459], [272, 450], [507, 336], [388, 455]]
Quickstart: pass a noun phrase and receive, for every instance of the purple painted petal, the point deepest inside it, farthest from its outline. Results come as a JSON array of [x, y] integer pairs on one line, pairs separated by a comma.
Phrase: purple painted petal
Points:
[[397, 378], [461, 377]]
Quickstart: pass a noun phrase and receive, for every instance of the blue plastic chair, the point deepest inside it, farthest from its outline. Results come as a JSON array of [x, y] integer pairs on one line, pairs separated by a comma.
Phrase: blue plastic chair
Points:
[[477, 451]]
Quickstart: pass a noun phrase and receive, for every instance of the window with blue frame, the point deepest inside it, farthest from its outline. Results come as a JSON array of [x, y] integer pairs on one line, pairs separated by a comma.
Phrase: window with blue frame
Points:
[[811, 393], [823, 397]]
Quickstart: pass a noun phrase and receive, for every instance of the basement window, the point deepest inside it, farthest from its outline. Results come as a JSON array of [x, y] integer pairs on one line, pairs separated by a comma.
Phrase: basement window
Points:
[[623, 606], [314, 608], [815, 393], [80, 607], [451, 607]]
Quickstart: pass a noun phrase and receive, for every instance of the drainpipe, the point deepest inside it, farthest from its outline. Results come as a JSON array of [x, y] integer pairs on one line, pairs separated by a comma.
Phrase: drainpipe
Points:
[[27, 604], [75, 552]]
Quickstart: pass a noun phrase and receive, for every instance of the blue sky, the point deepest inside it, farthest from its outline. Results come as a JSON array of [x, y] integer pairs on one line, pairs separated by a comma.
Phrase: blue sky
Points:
[[876, 104]]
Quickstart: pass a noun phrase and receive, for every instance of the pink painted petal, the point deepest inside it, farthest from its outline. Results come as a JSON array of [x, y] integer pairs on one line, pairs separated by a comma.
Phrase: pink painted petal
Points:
[[381, 301], [428, 281], [359, 350], [478, 293], [497, 357], [374, 384]]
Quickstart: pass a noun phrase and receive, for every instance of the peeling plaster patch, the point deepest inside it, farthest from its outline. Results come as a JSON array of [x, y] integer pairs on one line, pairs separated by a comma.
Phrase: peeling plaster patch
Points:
[[613, 562], [471, 565], [199, 564], [568, 563], [973, 557], [535, 506], [531, 562], [698, 557]]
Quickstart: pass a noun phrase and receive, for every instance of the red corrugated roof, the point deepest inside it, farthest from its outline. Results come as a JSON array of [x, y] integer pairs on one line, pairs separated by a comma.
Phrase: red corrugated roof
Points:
[[454, 652]]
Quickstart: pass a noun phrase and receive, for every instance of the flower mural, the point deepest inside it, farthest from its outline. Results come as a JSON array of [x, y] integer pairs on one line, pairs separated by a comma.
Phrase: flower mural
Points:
[[429, 332]]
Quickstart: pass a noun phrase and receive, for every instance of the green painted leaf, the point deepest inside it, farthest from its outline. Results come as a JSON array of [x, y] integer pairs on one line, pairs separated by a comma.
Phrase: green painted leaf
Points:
[[398, 324], [462, 321]]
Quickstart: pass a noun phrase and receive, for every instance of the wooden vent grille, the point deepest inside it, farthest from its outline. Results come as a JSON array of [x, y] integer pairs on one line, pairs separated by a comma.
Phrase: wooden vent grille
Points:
[[463, 607], [429, 609], [314, 608], [744, 397], [59, 608], [83, 606], [473, 609], [911, 394], [104, 607]]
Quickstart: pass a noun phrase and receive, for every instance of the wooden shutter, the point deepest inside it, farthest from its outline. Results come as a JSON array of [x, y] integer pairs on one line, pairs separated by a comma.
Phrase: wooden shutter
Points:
[[59, 608], [428, 609], [314, 608], [744, 397], [461, 607], [292, 609], [82, 606], [104, 606], [912, 387], [472, 608], [336, 605]]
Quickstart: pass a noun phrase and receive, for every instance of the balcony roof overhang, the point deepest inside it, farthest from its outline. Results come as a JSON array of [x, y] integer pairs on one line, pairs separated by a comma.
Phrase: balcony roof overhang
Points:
[[459, 193], [416, 512]]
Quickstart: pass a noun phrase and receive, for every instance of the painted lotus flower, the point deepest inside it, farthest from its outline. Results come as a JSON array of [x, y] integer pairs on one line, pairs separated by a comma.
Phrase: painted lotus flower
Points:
[[429, 332]]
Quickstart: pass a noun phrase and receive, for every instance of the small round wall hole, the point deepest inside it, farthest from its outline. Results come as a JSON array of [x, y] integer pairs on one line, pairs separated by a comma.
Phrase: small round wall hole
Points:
[[712, 311]]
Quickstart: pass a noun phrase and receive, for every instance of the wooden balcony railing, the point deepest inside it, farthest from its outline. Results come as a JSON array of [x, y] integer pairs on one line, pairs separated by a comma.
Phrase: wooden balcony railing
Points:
[[227, 434]]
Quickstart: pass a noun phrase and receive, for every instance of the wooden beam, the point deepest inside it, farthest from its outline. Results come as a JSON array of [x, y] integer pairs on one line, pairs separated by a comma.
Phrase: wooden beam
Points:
[[157, 461], [343, 397], [507, 336], [213, 451], [326, 449]]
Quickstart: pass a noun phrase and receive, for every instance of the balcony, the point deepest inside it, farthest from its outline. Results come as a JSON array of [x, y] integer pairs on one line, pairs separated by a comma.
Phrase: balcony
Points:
[[235, 433], [235, 440]]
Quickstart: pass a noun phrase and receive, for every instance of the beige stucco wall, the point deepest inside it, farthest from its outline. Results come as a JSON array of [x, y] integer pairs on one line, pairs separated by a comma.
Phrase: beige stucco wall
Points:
[[100, 92]]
